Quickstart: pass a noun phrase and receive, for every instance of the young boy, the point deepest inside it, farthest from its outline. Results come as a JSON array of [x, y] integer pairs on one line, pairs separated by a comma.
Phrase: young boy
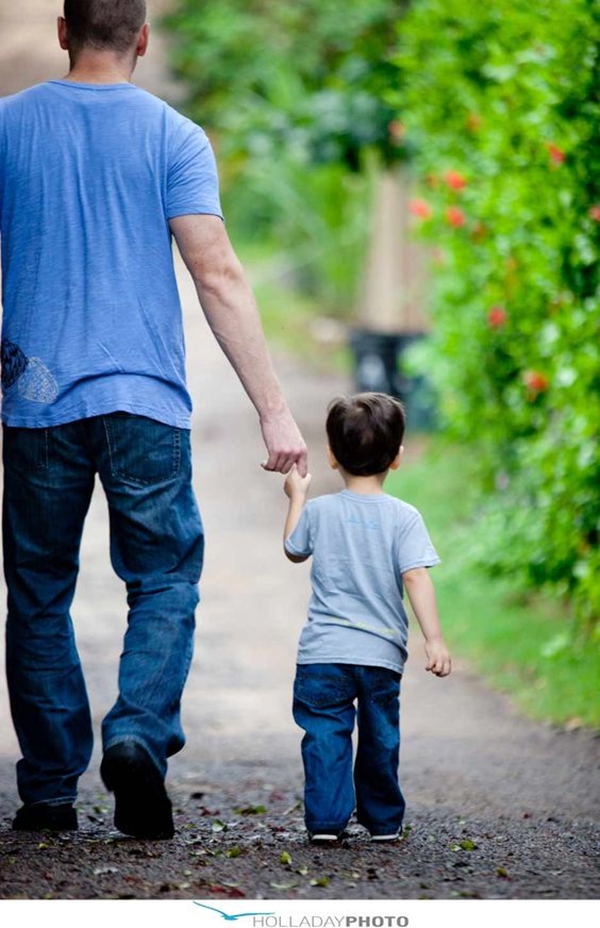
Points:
[[367, 547]]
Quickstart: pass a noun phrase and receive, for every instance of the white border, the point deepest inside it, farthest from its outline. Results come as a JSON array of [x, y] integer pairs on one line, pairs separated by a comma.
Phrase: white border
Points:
[[311, 913]]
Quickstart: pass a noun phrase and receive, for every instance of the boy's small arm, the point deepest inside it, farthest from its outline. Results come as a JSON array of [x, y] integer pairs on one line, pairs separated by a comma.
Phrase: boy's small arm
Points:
[[296, 489], [421, 594]]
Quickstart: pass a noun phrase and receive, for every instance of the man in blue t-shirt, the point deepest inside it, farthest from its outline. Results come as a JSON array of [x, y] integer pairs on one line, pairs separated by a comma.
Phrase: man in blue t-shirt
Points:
[[96, 177]]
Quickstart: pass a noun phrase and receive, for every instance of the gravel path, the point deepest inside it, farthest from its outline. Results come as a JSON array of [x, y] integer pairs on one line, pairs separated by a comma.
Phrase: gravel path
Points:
[[498, 808]]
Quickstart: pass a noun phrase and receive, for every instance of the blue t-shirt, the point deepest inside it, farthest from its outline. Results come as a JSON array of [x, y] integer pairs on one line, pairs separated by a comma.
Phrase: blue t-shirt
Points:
[[90, 175], [360, 545]]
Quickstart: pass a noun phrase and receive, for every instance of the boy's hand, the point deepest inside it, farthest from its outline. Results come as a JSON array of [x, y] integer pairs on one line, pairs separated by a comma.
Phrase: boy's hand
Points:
[[295, 485], [438, 657]]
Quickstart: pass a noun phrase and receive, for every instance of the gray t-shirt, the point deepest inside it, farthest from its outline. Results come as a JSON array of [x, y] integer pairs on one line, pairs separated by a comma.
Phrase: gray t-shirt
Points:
[[361, 545]]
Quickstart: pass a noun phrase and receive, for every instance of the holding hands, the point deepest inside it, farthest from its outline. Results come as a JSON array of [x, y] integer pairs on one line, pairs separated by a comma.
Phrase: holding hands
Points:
[[285, 445], [295, 484]]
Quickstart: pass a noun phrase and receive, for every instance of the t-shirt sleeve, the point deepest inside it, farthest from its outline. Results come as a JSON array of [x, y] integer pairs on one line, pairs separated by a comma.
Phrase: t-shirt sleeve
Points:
[[300, 541], [192, 180], [415, 546]]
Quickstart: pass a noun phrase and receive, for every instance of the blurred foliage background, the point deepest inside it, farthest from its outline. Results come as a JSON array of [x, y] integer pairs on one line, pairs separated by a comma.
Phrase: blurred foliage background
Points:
[[504, 113], [492, 111], [293, 97]]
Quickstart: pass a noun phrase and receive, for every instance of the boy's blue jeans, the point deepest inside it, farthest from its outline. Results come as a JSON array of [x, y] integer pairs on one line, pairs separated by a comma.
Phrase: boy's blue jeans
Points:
[[324, 698], [156, 547]]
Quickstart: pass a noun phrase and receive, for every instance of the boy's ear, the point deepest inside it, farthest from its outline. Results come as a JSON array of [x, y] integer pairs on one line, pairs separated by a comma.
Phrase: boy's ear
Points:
[[332, 459], [396, 462]]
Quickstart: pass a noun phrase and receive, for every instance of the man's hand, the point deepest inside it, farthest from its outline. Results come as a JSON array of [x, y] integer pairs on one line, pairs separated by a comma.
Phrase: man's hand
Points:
[[285, 444], [438, 657]]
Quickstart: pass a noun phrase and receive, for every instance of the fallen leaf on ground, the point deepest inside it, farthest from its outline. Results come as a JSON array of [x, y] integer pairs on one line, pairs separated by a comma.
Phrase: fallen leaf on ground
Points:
[[465, 845], [321, 881], [233, 851]]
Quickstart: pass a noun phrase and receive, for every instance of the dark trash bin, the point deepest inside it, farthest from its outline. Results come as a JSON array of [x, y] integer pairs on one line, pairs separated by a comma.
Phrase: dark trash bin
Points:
[[378, 362]]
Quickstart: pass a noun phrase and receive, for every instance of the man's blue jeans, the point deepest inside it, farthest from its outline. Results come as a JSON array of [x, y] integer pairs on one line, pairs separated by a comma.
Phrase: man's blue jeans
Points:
[[156, 548], [324, 706]]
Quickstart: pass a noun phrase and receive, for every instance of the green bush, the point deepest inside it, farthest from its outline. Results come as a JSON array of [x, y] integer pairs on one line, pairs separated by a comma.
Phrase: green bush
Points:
[[268, 76], [293, 98], [501, 103]]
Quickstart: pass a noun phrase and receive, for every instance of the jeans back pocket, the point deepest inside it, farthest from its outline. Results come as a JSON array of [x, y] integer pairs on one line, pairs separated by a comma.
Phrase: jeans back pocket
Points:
[[25, 450], [141, 450]]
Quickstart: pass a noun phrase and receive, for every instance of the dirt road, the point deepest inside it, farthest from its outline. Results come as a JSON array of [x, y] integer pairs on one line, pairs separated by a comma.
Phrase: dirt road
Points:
[[498, 808]]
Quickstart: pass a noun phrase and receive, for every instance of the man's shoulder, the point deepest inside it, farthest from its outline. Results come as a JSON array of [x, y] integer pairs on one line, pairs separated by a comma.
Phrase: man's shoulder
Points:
[[22, 97]]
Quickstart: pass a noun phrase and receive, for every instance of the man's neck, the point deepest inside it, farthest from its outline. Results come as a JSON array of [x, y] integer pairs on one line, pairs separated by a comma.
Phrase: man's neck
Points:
[[100, 68]]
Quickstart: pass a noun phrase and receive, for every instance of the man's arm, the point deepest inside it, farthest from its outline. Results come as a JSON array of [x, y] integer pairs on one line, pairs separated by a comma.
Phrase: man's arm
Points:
[[421, 594], [231, 312]]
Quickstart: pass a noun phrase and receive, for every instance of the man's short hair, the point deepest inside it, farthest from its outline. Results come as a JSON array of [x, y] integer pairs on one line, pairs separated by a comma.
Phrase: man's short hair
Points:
[[365, 432], [110, 24]]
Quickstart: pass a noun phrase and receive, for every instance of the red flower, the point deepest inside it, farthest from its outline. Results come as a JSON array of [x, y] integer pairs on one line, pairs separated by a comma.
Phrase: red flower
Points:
[[455, 217], [535, 381], [497, 317], [595, 212], [420, 208], [455, 180], [557, 155]]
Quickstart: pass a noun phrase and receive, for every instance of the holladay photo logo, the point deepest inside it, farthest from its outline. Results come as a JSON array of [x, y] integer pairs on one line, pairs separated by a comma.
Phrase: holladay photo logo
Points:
[[272, 920]]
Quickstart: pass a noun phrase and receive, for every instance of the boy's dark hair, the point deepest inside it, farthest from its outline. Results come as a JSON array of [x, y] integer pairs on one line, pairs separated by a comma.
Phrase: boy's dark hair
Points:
[[110, 24], [365, 432]]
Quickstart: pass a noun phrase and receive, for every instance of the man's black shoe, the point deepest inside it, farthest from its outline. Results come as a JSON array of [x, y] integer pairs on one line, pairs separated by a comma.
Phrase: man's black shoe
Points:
[[142, 807], [44, 816]]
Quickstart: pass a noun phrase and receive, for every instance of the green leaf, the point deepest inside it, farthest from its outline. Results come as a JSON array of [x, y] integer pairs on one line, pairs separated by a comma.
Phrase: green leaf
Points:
[[467, 845]]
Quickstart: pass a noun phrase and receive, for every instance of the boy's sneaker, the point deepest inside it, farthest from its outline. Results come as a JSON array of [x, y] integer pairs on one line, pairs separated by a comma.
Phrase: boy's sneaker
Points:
[[45, 816], [327, 839], [396, 836]]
